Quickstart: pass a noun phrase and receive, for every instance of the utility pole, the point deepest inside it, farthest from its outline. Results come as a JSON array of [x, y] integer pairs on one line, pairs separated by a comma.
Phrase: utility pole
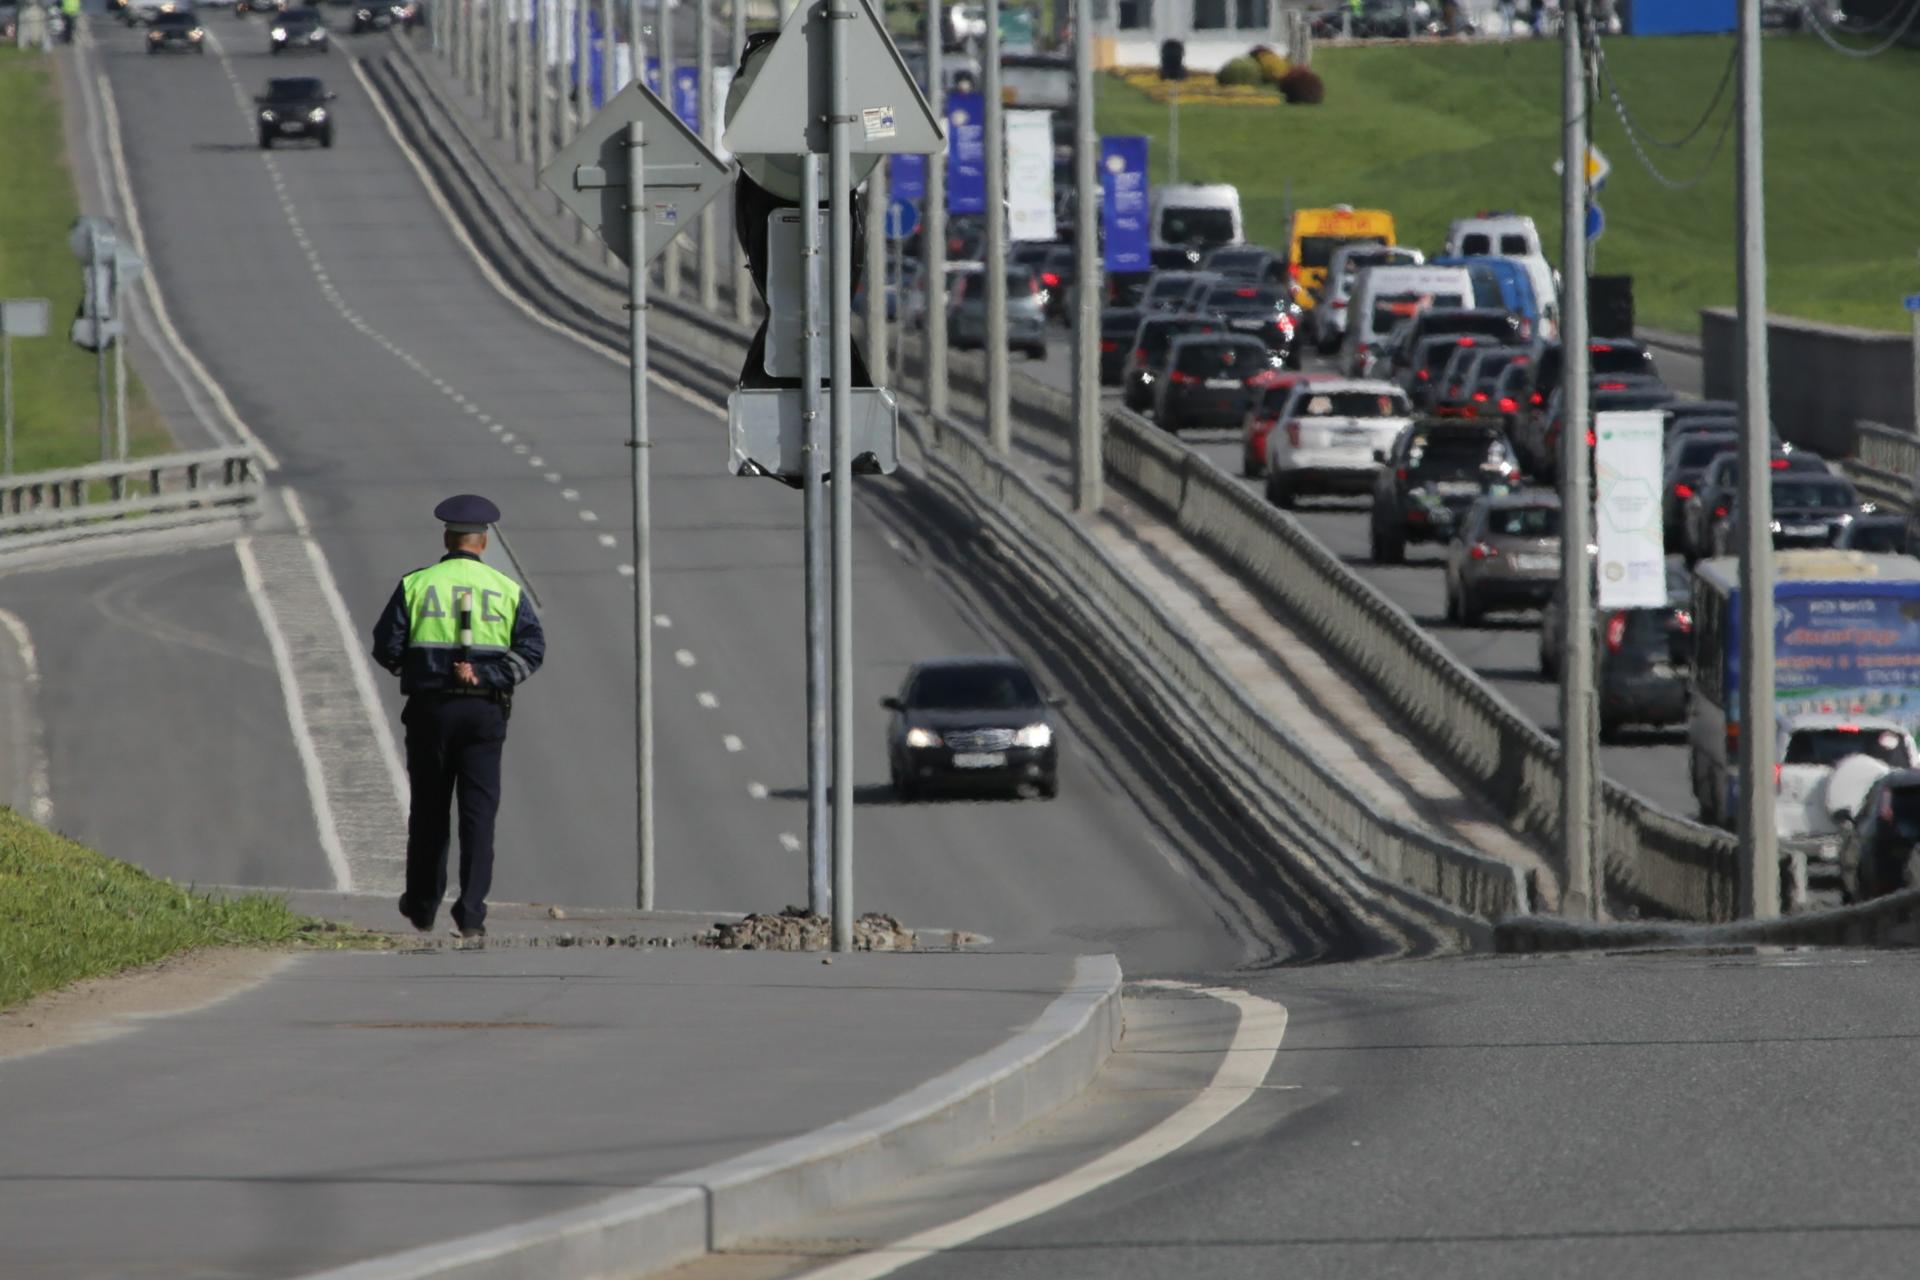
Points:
[[542, 51], [640, 446], [999, 425], [876, 273], [497, 71], [522, 81], [933, 227], [1087, 271], [1760, 858], [742, 272], [817, 550], [120, 357], [840, 243], [709, 261], [1579, 853]]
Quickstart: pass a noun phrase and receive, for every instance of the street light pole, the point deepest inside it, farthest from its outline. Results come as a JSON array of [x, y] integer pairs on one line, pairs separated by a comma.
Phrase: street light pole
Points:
[[840, 243], [999, 425], [933, 229], [1760, 860], [640, 444], [1087, 271], [1582, 899], [709, 263], [742, 273], [670, 263]]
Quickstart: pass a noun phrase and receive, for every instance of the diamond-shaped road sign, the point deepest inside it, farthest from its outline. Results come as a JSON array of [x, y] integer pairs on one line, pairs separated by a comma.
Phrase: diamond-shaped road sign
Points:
[[681, 174], [784, 113]]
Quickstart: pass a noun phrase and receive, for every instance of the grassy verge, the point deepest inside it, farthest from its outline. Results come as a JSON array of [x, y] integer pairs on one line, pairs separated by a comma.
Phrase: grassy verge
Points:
[[56, 411], [1438, 132], [68, 913]]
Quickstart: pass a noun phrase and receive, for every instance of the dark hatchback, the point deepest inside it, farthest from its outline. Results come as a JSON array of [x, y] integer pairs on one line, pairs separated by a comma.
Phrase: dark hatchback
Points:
[[299, 30], [176, 32], [1880, 851], [1809, 510], [1431, 475], [1148, 359], [295, 108], [1258, 311], [1117, 327], [1212, 380], [1640, 656], [971, 723]]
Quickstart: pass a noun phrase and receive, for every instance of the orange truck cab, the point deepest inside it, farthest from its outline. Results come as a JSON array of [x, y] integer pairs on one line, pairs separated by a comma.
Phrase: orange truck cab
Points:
[[1316, 233]]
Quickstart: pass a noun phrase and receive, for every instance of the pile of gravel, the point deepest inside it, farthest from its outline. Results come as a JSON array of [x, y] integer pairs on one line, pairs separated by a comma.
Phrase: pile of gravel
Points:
[[797, 929]]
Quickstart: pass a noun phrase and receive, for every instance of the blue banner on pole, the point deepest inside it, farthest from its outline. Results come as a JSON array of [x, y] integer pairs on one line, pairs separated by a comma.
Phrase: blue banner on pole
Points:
[[908, 176], [967, 153], [653, 75], [1123, 204], [686, 96]]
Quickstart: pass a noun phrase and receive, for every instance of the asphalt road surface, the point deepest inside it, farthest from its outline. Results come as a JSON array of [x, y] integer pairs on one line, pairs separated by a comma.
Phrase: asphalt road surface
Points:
[[356, 338], [1505, 648]]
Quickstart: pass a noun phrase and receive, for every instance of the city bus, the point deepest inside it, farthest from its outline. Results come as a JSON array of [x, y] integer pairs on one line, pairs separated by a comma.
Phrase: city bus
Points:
[[1316, 233], [1846, 641]]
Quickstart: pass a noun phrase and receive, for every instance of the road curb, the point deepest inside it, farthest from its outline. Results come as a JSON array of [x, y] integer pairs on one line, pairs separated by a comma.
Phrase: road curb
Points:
[[676, 1219], [1890, 921]]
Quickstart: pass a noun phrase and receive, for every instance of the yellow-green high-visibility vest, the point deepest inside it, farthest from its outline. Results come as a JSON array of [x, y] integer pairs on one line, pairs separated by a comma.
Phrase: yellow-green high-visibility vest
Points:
[[437, 594]]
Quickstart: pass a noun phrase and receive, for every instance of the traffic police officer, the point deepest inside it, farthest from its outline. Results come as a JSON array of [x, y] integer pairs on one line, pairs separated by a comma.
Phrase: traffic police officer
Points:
[[461, 636]]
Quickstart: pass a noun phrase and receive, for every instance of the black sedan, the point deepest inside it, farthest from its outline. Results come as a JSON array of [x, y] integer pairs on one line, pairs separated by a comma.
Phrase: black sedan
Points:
[[176, 33], [298, 31], [295, 108], [376, 15], [1880, 851], [971, 724], [1117, 327], [1260, 311], [1808, 511], [1212, 380]]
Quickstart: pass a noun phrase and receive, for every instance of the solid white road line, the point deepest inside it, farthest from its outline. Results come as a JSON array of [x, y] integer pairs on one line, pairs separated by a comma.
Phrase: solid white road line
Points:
[[1243, 1069], [39, 786], [296, 718]]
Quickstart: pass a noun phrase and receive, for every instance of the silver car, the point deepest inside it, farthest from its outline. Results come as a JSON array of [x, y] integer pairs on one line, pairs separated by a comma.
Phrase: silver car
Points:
[[1026, 310], [1505, 554]]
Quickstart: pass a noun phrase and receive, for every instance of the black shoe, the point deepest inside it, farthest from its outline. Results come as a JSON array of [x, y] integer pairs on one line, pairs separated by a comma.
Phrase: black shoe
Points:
[[421, 921], [469, 935]]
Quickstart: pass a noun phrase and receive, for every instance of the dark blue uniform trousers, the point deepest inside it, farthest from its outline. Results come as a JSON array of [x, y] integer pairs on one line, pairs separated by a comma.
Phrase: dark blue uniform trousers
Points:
[[453, 746]]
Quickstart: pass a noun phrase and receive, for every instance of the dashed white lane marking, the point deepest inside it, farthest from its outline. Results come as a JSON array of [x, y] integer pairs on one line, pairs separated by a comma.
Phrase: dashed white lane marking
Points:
[[608, 540], [733, 744], [758, 790], [624, 570], [495, 427], [1243, 1070], [520, 449], [662, 621], [536, 461], [571, 495], [589, 517], [684, 657], [790, 842], [706, 699]]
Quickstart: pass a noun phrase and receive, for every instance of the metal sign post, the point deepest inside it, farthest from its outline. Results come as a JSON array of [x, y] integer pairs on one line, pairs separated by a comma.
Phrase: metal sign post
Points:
[[876, 276], [1087, 272], [933, 243], [19, 318], [637, 200], [819, 628], [798, 104], [999, 393]]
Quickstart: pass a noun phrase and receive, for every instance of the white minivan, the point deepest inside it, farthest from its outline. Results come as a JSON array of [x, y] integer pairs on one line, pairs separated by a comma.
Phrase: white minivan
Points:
[[1197, 214], [1510, 235], [1384, 296]]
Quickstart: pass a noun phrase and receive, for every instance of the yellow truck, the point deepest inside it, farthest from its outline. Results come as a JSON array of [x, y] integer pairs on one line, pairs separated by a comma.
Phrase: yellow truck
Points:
[[1316, 233]]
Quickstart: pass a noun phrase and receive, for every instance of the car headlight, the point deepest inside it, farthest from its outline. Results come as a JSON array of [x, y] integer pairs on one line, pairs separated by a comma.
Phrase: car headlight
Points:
[[279, 33], [153, 37], [1036, 736], [365, 15], [196, 34], [267, 117], [318, 115], [922, 738]]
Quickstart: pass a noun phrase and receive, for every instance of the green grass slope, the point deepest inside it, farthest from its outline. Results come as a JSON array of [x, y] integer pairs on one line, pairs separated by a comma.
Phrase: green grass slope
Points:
[[56, 408], [1437, 132]]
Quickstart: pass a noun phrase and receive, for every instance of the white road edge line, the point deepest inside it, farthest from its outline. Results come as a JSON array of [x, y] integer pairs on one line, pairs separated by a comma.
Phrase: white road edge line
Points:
[[356, 654], [157, 303], [1243, 1069], [39, 784], [492, 277], [296, 718]]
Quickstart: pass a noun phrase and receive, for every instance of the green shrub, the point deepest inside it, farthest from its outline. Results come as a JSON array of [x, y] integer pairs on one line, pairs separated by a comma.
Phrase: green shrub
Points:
[[1300, 85], [1241, 71]]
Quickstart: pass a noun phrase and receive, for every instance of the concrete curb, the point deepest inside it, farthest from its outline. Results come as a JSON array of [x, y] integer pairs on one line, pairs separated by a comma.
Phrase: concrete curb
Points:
[[1890, 921], [677, 1219]]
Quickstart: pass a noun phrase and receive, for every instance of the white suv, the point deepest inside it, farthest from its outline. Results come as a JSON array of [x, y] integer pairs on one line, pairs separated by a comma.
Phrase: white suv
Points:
[[1828, 763], [1330, 435]]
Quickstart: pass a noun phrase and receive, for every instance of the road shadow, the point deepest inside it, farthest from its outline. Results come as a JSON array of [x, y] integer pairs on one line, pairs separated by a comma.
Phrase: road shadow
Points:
[[225, 146], [882, 795]]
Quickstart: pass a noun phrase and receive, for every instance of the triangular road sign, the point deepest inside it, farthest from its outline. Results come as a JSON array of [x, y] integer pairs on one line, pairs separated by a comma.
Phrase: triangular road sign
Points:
[[784, 111], [682, 174]]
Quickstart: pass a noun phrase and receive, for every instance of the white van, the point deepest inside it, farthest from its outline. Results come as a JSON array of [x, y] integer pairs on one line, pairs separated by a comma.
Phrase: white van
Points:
[[1510, 235], [1384, 296], [1194, 213]]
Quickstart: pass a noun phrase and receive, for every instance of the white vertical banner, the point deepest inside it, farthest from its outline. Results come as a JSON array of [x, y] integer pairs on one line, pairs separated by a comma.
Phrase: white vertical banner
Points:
[[1632, 563], [1030, 176], [622, 64], [716, 111]]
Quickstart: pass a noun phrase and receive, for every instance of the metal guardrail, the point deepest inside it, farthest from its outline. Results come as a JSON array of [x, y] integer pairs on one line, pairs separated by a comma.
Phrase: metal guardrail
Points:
[[120, 497], [1884, 463]]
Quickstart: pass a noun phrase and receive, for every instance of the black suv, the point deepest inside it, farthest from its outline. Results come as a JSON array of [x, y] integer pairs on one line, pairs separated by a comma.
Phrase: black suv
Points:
[[176, 31], [1431, 475], [1260, 311], [1144, 367], [299, 30], [295, 108]]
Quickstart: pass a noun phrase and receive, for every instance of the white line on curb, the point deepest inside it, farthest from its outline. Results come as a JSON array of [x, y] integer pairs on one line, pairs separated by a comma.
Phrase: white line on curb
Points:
[[39, 785]]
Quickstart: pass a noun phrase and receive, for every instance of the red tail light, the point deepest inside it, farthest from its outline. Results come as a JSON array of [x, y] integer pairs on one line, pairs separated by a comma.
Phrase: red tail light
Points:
[[1591, 438], [1108, 346], [1683, 620], [1293, 271], [1683, 490], [1610, 386], [1719, 513], [1466, 342], [1246, 293], [1483, 551], [1184, 379], [1600, 348], [1536, 399], [1886, 805], [1293, 432], [1423, 375], [1778, 464], [1616, 631], [1509, 405], [1479, 397], [1776, 777], [1049, 279]]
